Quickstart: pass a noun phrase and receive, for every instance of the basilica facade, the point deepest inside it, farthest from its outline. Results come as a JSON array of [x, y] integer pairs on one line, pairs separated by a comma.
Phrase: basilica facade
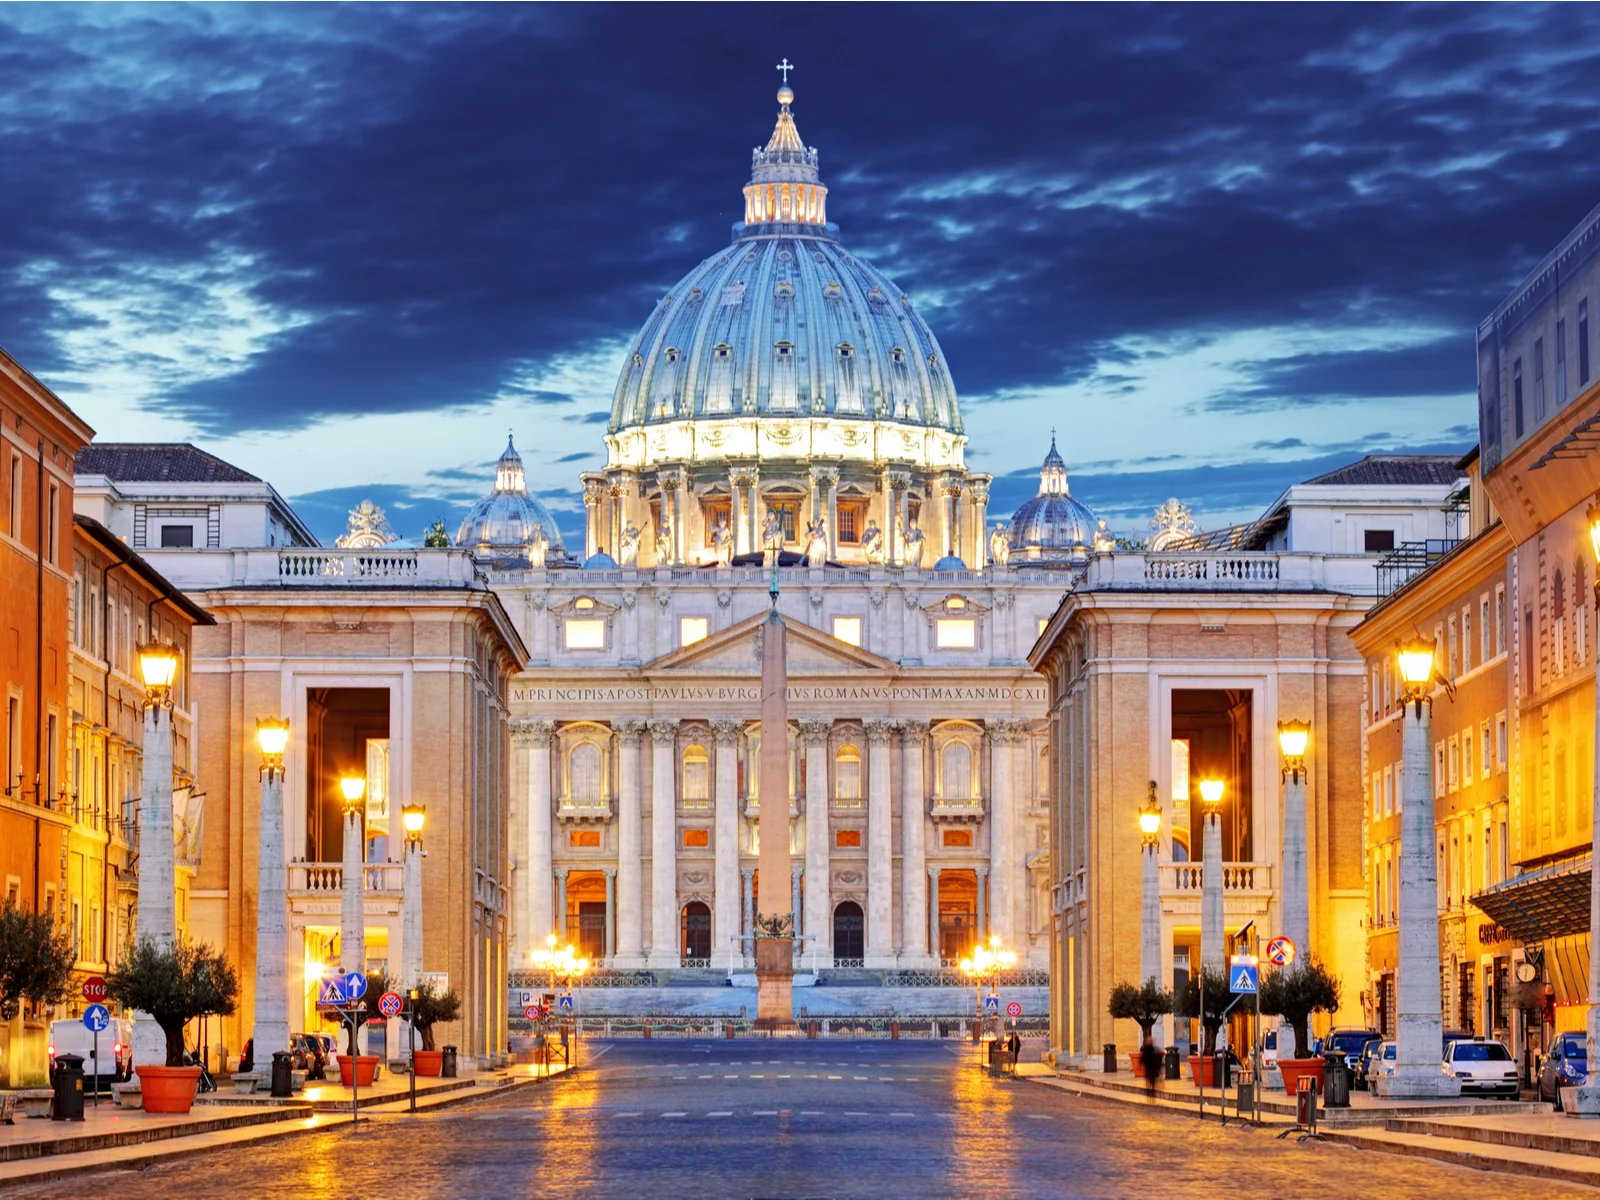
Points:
[[783, 408]]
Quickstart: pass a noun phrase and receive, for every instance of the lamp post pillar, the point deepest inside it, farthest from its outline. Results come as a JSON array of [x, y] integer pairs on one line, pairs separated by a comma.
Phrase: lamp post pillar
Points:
[[1419, 1024], [411, 916], [271, 1032], [157, 917], [1211, 919], [1296, 919], [352, 906]]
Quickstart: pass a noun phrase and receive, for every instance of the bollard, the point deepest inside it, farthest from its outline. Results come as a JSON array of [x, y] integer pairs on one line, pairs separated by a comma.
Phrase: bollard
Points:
[[811, 1030]]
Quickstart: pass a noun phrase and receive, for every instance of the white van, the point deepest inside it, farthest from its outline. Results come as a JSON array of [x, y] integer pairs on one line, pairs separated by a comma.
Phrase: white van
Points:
[[116, 1047]]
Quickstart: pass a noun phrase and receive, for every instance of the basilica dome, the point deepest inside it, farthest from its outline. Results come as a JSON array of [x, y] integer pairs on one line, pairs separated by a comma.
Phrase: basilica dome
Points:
[[785, 327], [504, 522], [1052, 526]]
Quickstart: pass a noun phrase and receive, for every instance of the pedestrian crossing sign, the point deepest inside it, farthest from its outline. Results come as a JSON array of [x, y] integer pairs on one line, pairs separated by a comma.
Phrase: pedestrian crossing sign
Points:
[[1242, 979], [991, 1006], [332, 991], [565, 1002]]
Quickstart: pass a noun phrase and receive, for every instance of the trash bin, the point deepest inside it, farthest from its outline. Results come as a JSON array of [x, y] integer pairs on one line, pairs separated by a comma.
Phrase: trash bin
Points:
[[1110, 1051], [811, 1029], [894, 1031], [1173, 1069], [282, 1073], [1336, 1086], [68, 1102], [447, 1063], [1219, 1071]]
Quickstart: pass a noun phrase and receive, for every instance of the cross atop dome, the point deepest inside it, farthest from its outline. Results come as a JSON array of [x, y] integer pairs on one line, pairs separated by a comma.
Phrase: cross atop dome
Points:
[[785, 66]]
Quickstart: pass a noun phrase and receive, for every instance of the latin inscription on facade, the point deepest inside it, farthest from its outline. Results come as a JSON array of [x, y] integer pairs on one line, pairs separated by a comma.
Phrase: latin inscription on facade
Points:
[[798, 693]]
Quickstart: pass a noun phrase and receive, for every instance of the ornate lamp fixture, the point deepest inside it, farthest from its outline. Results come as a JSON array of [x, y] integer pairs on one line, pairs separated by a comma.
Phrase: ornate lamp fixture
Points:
[[1211, 795], [354, 788], [1593, 516], [158, 664], [413, 816], [1293, 736], [272, 733], [1150, 818], [1415, 661]]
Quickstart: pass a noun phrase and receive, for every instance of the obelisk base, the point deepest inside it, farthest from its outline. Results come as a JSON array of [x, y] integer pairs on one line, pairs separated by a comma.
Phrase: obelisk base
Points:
[[774, 983]]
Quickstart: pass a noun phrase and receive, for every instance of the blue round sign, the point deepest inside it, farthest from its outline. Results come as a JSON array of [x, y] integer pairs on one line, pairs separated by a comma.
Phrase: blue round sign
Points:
[[355, 986], [96, 1018]]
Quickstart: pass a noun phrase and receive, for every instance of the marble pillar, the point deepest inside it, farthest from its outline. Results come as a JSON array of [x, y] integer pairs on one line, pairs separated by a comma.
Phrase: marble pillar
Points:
[[1419, 1025], [611, 912], [774, 954], [814, 733], [913, 845], [410, 917], [1296, 921], [736, 513], [271, 1030], [748, 925], [725, 872], [985, 918], [795, 875], [1213, 952], [158, 899], [535, 737], [630, 851], [352, 897], [562, 924], [880, 849], [933, 914], [664, 947], [1005, 859], [1150, 913]]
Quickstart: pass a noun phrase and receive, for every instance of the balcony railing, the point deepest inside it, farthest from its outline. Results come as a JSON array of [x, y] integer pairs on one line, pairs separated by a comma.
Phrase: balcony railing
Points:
[[315, 567], [956, 808], [583, 809], [323, 879], [1189, 877], [1229, 571]]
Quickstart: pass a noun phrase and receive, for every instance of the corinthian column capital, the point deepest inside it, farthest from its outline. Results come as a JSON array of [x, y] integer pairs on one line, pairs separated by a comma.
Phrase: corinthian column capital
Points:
[[815, 729], [878, 731], [725, 730], [628, 730], [663, 730], [534, 732]]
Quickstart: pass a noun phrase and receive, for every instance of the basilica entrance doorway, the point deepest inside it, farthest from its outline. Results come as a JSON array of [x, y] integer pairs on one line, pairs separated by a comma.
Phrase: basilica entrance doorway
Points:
[[958, 914], [849, 935], [696, 947]]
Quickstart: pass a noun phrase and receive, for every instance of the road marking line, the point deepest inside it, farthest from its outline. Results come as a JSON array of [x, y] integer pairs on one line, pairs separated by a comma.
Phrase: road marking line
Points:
[[730, 1077], [702, 1077], [719, 1114], [785, 1076], [859, 1078], [680, 1077], [885, 1078], [771, 1112], [678, 1114], [835, 1076], [758, 1077], [855, 1114], [902, 1114], [1040, 1117], [811, 1112]]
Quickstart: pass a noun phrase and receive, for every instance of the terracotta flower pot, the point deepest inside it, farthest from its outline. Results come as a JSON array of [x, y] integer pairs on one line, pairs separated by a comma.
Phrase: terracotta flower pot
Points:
[[1202, 1071], [1135, 1065], [1293, 1068], [428, 1062], [168, 1089], [365, 1067]]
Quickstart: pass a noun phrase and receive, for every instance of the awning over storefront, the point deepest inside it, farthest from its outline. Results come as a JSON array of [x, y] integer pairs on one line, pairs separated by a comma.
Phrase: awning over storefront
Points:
[[1552, 902]]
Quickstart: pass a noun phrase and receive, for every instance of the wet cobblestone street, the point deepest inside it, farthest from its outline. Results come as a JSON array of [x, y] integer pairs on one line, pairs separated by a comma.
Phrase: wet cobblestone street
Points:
[[793, 1118]]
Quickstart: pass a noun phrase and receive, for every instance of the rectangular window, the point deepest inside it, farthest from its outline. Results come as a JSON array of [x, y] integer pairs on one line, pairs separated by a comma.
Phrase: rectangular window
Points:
[[1583, 343], [1378, 540], [1377, 794], [1503, 848], [957, 837], [1561, 362], [1485, 651], [957, 633], [847, 629], [696, 839], [1454, 660], [177, 536], [1399, 788], [1516, 396], [788, 513], [52, 748], [1529, 678], [584, 839], [693, 629], [587, 633], [1452, 762], [847, 837], [1439, 775], [852, 522], [1388, 791], [13, 742], [1500, 619], [14, 511], [77, 930], [1388, 868], [1485, 751], [52, 525], [1466, 639], [1538, 379], [1500, 755], [1466, 757]]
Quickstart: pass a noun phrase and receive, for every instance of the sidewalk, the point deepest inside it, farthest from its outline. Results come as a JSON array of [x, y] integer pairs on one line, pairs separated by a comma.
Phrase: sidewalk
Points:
[[38, 1151], [1515, 1137]]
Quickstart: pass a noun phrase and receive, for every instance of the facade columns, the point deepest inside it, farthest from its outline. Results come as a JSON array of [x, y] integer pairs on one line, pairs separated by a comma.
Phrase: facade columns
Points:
[[952, 492], [736, 512], [1003, 735], [562, 923], [746, 946], [795, 874], [985, 917], [535, 737], [593, 491], [664, 948], [913, 843], [630, 834], [978, 489], [933, 914], [880, 848], [725, 875], [611, 912], [814, 733]]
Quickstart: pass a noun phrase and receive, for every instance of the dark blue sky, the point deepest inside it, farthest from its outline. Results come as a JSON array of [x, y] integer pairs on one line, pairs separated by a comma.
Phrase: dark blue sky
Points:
[[1222, 248]]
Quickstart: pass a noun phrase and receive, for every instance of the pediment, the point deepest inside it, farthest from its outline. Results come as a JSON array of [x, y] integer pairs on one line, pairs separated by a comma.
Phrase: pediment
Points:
[[737, 649]]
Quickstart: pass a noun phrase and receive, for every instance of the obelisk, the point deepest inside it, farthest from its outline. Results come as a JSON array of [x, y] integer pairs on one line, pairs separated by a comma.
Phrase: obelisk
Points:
[[774, 899]]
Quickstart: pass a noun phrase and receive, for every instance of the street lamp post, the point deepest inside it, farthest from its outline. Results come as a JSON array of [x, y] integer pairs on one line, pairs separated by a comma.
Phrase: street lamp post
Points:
[[1419, 1037], [986, 963], [1588, 1099], [271, 1033], [1150, 892], [562, 962], [1212, 950], [158, 901], [1293, 737], [413, 817], [353, 914]]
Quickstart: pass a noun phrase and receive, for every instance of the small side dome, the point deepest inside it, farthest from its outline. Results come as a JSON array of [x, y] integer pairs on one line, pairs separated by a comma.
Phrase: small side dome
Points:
[[507, 520], [599, 561], [1053, 527]]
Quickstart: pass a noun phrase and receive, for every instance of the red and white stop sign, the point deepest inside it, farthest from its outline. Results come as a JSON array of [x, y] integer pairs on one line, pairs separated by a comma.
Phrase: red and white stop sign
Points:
[[94, 989]]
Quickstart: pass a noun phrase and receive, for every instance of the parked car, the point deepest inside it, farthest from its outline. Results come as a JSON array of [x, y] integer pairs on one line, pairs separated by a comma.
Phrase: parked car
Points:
[[1567, 1065], [1382, 1061], [1367, 1064], [1452, 1035], [1349, 1042], [300, 1045], [1484, 1067], [116, 1047], [1269, 1049]]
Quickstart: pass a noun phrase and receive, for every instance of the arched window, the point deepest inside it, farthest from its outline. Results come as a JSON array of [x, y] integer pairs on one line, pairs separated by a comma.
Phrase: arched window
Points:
[[696, 947], [584, 771], [847, 773], [957, 771], [696, 776], [848, 935]]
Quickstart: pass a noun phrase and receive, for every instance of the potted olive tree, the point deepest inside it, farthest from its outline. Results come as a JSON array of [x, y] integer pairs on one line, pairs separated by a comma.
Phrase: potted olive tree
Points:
[[1144, 1004], [429, 1008], [1213, 981], [35, 966], [355, 1067], [1294, 993], [174, 987]]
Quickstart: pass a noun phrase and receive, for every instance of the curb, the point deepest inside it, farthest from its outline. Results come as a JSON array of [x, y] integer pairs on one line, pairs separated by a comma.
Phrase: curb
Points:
[[50, 1170], [1544, 1169]]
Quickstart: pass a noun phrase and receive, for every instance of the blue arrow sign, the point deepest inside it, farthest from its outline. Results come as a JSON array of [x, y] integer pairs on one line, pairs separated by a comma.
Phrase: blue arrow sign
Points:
[[991, 1006], [96, 1019], [355, 985], [1242, 979]]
